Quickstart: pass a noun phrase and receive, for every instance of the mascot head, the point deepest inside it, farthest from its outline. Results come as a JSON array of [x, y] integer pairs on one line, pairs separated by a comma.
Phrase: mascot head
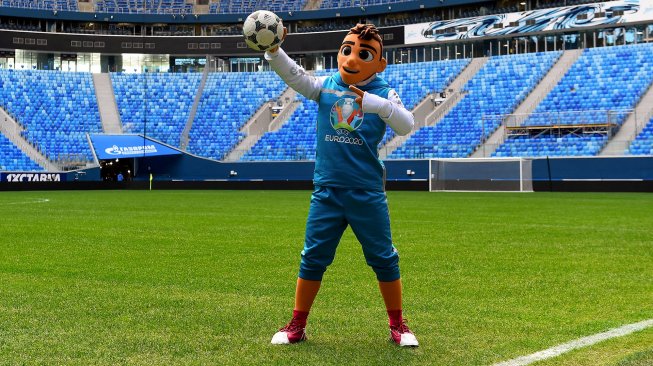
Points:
[[361, 54]]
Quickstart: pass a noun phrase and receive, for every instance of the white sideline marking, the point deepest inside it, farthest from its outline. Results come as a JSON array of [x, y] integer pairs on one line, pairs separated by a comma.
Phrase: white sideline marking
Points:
[[578, 343], [38, 200]]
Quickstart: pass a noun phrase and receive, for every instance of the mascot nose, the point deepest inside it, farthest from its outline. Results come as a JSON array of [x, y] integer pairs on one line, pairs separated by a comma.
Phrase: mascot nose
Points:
[[348, 63]]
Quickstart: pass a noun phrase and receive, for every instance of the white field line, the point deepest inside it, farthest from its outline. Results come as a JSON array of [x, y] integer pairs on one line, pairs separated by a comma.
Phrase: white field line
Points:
[[578, 343], [38, 200]]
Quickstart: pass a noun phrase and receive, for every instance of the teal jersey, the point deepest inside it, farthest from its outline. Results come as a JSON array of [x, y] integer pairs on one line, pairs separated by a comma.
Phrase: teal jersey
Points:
[[347, 139]]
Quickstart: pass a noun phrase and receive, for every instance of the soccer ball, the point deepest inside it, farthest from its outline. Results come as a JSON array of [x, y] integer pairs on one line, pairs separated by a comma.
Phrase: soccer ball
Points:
[[263, 30]]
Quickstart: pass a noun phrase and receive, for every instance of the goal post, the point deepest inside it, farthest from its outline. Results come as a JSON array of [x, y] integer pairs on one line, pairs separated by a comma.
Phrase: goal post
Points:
[[483, 174]]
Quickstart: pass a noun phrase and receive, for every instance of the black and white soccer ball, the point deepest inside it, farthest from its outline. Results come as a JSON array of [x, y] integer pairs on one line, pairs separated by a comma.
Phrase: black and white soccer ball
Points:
[[263, 30]]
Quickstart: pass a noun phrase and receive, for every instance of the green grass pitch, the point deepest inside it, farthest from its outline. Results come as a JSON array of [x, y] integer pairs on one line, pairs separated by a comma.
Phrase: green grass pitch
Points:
[[207, 277]]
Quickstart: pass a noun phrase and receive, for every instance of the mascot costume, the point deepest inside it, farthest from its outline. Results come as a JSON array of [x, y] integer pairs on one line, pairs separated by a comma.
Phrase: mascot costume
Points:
[[355, 105]]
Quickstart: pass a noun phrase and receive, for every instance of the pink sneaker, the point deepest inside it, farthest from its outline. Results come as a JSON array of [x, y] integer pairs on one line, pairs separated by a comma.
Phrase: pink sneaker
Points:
[[293, 332], [402, 336]]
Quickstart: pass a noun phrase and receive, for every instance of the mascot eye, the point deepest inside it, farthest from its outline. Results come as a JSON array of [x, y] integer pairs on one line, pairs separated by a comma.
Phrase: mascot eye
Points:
[[346, 51], [366, 55]]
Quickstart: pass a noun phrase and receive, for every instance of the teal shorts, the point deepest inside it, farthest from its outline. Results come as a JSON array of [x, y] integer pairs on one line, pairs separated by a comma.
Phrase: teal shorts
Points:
[[332, 210]]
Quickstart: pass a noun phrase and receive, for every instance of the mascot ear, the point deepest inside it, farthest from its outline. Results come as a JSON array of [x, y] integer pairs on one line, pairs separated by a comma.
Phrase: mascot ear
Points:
[[382, 65]]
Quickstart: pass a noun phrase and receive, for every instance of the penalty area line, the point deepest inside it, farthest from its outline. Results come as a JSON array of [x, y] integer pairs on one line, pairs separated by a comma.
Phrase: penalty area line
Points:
[[578, 343]]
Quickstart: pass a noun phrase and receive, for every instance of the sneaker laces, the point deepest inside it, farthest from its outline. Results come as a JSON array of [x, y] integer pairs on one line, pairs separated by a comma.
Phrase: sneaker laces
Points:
[[293, 327], [403, 327]]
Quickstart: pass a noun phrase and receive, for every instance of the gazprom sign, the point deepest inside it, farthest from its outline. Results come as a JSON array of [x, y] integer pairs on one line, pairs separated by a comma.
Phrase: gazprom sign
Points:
[[128, 146]]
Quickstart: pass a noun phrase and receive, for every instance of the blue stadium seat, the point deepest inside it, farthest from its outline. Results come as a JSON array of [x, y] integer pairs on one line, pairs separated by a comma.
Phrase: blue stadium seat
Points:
[[415, 81], [643, 143], [498, 88], [155, 104], [249, 6], [56, 109], [70, 5], [228, 101], [144, 6], [296, 139], [13, 159], [567, 145], [603, 79]]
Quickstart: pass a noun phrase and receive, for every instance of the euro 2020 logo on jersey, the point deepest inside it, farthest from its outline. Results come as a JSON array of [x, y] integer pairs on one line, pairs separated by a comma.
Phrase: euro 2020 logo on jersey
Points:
[[346, 115]]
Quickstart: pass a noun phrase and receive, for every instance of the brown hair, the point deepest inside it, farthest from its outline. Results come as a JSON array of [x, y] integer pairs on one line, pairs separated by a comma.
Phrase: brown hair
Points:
[[367, 32]]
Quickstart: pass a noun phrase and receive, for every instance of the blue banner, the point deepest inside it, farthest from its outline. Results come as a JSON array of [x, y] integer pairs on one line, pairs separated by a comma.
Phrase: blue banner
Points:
[[128, 146]]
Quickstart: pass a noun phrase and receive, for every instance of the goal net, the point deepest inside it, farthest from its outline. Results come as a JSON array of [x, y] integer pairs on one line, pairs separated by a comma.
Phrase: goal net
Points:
[[486, 174]]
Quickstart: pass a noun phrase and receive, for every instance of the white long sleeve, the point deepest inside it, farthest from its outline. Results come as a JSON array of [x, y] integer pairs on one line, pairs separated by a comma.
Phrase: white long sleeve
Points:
[[294, 75], [391, 111]]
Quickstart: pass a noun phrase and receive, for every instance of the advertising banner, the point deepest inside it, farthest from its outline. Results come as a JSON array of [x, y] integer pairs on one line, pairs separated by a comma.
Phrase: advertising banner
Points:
[[562, 18], [128, 146], [25, 177]]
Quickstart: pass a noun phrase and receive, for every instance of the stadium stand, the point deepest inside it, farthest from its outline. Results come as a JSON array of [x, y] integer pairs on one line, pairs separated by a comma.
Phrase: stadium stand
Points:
[[498, 88], [22, 27], [228, 101], [599, 88], [249, 6], [470, 11], [70, 5], [413, 83], [144, 6], [643, 143], [155, 104], [603, 79], [11, 158], [335, 4], [56, 109], [295, 140], [547, 145], [331, 4]]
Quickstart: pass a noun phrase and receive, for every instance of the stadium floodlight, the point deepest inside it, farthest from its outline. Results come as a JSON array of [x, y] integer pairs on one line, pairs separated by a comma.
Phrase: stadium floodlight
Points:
[[481, 174]]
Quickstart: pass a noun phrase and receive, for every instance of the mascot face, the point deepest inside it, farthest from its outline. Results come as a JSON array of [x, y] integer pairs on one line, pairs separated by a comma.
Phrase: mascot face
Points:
[[358, 59]]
